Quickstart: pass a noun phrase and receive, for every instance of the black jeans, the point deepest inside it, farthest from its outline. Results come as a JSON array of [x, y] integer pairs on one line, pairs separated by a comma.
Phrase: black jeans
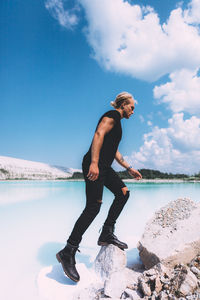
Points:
[[94, 192]]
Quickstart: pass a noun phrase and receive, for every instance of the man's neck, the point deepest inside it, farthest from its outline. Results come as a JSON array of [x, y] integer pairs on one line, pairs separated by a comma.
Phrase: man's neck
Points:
[[120, 111]]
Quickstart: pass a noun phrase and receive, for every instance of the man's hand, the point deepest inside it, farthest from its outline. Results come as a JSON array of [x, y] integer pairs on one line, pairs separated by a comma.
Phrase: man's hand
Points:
[[93, 173], [135, 174]]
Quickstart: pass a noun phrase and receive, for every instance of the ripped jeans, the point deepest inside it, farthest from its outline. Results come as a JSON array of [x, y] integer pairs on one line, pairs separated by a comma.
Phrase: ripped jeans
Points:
[[94, 192]]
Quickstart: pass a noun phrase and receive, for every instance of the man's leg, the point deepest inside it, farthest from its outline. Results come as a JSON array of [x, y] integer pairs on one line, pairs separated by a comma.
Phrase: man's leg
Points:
[[121, 192], [89, 213], [94, 191]]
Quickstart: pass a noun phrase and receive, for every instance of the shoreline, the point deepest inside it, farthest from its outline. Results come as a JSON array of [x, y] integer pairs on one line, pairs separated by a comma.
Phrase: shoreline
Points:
[[125, 180], [161, 181]]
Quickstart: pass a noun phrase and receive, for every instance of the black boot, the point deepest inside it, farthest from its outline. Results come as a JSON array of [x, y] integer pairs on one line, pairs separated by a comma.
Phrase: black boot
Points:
[[67, 258], [107, 237]]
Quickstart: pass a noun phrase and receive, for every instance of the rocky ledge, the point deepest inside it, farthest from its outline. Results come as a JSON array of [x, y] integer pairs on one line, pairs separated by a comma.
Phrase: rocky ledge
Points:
[[159, 282], [172, 236], [170, 253]]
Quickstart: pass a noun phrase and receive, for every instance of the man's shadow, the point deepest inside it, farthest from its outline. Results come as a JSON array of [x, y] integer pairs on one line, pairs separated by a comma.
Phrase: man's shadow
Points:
[[47, 257]]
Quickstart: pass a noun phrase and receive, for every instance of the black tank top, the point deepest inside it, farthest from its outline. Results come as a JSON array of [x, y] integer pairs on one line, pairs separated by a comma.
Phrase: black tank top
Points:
[[111, 141]]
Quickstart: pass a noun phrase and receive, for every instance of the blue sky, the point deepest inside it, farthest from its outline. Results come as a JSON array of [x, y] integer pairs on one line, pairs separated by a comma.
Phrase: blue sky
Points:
[[62, 62]]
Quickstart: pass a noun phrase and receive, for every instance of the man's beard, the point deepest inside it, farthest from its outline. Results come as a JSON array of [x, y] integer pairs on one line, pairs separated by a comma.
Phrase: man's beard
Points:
[[125, 115]]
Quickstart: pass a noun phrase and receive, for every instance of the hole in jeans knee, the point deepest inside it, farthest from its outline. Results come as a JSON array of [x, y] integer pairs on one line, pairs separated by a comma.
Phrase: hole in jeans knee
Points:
[[124, 190], [99, 201]]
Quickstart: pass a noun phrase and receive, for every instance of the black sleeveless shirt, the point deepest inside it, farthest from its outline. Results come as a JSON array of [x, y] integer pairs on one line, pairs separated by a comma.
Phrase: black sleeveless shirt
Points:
[[110, 143]]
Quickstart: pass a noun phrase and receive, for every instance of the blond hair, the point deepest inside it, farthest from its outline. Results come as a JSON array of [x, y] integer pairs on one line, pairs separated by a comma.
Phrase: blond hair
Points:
[[121, 98]]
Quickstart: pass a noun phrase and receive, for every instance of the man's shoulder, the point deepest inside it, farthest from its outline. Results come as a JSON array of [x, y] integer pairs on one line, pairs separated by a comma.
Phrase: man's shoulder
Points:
[[112, 114]]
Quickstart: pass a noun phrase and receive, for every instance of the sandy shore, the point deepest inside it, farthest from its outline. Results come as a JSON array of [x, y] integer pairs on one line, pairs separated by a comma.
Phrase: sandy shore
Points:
[[160, 180], [125, 180], [150, 180]]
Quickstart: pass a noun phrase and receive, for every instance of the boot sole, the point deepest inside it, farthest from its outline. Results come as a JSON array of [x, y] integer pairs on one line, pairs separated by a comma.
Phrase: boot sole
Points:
[[60, 261], [106, 244]]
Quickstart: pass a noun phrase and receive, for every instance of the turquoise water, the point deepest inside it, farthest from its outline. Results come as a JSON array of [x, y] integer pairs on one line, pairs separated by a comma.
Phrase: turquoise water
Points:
[[36, 218]]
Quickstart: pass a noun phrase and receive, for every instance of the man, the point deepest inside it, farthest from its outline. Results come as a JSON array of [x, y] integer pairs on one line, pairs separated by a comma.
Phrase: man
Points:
[[98, 173]]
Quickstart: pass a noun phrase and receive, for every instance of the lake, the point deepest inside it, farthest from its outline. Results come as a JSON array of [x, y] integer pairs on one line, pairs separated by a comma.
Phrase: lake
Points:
[[36, 218]]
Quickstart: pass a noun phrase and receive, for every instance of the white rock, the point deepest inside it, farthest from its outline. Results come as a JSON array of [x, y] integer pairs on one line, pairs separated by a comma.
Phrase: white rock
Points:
[[195, 271], [93, 291], [131, 276], [150, 272], [144, 287], [163, 296], [106, 298], [110, 259], [172, 236], [162, 270], [115, 285], [189, 284], [118, 281], [158, 285], [134, 295]]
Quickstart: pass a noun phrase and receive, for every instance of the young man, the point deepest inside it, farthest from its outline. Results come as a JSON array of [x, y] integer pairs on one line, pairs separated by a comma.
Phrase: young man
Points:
[[98, 173]]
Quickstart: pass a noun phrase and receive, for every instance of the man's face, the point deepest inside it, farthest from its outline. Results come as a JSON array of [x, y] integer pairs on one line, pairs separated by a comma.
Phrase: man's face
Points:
[[128, 109]]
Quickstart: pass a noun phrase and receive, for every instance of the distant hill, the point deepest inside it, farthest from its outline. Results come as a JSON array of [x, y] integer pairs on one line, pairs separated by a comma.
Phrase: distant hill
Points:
[[148, 174], [14, 168], [68, 170], [154, 174], [18, 169]]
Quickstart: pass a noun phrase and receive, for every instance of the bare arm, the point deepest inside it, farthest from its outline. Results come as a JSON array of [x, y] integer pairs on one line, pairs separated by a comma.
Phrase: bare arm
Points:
[[119, 158], [104, 127]]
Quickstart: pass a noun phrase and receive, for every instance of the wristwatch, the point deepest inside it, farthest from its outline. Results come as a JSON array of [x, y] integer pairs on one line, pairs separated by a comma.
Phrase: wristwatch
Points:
[[130, 167]]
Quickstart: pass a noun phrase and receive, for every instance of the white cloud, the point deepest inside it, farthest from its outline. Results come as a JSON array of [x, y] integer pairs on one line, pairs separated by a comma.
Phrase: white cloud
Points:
[[66, 17], [161, 115], [141, 118], [130, 39], [192, 15], [149, 123], [182, 93], [172, 149]]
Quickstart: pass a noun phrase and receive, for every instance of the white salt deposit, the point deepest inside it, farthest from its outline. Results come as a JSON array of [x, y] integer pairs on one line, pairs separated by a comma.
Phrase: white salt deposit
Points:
[[53, 284], [13, 168]]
